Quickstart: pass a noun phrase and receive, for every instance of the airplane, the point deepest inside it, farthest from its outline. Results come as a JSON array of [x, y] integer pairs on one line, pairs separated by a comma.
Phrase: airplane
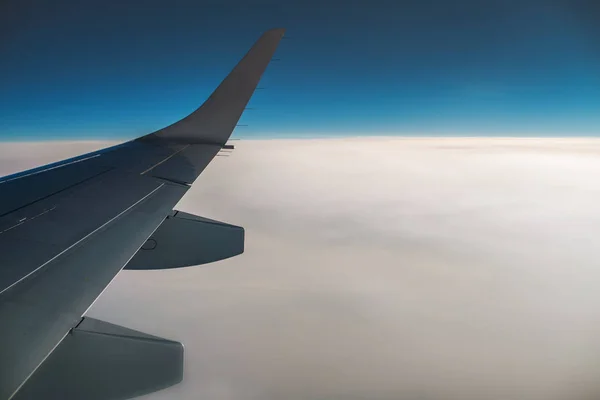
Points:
[[68, 228]]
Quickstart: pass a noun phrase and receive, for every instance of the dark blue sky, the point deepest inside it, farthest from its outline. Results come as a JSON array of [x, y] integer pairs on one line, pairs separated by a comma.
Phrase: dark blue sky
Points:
[[119, 69]]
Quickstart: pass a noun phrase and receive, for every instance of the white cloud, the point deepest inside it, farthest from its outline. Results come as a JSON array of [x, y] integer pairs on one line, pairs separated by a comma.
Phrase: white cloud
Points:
[[387, 269]]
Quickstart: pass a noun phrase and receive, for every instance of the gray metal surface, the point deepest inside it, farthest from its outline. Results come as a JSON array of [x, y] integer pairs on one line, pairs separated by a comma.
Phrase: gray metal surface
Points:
[[98, 360], [68, 228], [220, 113], [39, 311], [186, 164], [183, 240]]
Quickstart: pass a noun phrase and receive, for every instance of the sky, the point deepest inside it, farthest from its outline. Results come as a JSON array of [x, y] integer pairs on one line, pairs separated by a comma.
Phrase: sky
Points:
[[119, 69]]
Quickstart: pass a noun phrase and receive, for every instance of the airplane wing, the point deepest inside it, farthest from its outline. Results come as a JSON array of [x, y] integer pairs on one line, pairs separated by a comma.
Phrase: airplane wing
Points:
[[68, 228]]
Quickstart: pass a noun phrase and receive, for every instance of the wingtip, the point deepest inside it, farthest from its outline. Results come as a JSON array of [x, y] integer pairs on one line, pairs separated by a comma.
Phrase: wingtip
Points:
[[214, 121], [276, 31]]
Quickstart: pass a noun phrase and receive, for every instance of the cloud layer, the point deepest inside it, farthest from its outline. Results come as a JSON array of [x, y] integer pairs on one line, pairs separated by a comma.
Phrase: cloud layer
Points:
[[383, 269]]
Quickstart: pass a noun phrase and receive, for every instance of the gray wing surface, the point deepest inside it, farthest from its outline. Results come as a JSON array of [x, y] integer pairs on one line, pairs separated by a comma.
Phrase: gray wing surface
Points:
[[67, 229]]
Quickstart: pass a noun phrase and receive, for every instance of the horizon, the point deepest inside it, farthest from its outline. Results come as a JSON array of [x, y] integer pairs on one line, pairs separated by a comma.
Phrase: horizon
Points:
[[314, 136]]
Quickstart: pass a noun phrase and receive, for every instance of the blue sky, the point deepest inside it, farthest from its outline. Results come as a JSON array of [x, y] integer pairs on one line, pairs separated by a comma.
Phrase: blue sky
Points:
[[113, 69]]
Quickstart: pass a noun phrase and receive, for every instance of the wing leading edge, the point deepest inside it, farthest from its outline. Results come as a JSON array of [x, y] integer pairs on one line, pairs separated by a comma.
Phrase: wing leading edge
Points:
[[67, 229]]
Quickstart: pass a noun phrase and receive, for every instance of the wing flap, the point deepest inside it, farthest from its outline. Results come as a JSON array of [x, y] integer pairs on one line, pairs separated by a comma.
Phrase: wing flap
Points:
[[102, 361], [184, 240]]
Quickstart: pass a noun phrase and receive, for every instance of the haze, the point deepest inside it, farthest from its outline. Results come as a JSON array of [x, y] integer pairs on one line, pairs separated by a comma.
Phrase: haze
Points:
[[381, 268]]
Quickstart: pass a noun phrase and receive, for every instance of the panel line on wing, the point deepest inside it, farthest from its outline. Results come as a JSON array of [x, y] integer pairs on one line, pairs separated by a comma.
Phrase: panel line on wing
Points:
[[24, 220], [51, 168], [166, 159], [57, 192], [83, 238]]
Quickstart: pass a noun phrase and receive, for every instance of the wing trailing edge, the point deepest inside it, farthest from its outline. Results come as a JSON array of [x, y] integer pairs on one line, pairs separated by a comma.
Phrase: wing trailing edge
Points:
[[184, 240], [102, 361]]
